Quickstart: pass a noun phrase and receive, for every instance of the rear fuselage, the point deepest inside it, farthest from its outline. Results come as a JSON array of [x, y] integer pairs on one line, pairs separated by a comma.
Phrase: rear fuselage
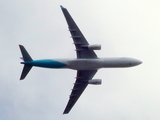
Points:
[[84, 64]]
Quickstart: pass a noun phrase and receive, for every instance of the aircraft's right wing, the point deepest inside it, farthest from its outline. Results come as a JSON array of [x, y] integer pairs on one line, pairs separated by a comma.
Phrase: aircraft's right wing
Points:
[[78, 38]]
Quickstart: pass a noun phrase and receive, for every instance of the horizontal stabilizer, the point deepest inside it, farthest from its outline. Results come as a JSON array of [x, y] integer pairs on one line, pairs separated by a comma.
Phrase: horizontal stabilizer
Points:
[[25, 71], [26, 56]]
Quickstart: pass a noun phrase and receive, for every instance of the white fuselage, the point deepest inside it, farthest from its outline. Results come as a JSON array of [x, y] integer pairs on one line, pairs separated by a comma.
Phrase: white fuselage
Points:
[[92, 64]]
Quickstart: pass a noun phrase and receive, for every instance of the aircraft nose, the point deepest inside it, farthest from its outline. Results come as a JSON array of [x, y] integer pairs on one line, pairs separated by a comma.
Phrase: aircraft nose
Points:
[[136, 62]]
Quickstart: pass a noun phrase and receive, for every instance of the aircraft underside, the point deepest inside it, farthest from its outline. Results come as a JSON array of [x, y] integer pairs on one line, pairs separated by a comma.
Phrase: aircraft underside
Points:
[[87, 63]]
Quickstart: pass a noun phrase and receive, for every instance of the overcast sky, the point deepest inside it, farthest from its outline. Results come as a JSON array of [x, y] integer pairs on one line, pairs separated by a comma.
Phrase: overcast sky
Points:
[[123, 28]]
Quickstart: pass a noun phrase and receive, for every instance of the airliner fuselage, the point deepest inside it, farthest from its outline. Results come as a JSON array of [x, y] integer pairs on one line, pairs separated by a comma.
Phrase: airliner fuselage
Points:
[[85, 64]]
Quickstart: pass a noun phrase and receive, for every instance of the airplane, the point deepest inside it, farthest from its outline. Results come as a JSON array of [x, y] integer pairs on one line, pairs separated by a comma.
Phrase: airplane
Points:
[[87, 63]]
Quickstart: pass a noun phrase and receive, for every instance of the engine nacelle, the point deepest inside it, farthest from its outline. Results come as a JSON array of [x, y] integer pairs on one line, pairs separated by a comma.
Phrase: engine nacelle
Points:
[[94, 47], [95, 81]]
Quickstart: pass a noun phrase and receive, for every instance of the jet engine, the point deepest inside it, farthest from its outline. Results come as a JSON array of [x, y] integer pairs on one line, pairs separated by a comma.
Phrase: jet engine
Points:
[[95, 81], [94, 47]]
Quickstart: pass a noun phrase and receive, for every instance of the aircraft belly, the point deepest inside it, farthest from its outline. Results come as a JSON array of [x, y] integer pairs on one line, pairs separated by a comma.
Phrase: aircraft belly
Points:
[[85, 64]]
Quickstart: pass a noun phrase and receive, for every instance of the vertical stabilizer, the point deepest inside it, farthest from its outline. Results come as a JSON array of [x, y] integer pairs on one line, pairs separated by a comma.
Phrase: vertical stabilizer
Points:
[[26, 57]]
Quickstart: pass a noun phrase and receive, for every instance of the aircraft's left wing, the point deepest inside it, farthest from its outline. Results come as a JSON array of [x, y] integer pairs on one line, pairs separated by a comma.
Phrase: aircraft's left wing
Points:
[[79, 87]]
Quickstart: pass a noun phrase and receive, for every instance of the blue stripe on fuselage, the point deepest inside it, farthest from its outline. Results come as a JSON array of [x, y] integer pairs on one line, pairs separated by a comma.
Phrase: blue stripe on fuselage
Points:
[[47, 63]]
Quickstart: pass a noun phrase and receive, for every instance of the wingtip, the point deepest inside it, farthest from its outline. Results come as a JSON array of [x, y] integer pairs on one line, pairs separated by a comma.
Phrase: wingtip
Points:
[[21, 78], [62, 7], [21, 46], [65, 113]]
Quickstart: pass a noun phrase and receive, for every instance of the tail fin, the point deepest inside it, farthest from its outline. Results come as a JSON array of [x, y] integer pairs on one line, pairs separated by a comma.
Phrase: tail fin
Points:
[[26, 57]]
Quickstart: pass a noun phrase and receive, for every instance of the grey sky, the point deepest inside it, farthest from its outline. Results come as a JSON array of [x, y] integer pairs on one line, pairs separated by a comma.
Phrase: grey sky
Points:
[[124, 28]]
